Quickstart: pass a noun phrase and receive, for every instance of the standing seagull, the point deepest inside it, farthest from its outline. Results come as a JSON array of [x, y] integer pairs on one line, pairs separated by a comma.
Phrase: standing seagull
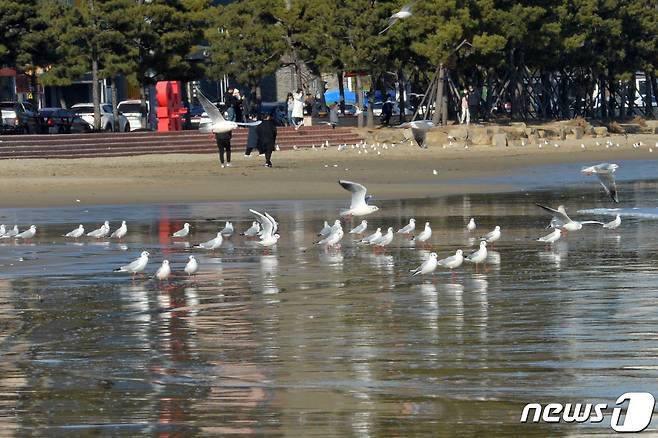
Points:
[[101, 232], [253, 230], [164, 271], [403, 13], [213, 243], [424, 235], [136, 266], [3, 230], [427, 267], [27, 234], [614, 224], [492, 236], [604, 172], [359, 229], [192, 266], [358, 205], [454, 261], [183, 232], [120, 232], [11, 233], [385, 240], [563, 222], [325, 230], [409, 228], [76, 232], [471, 225], [478, 256], [419, 130], [552, 237], [228, 229], [218, 123], [372, 238]]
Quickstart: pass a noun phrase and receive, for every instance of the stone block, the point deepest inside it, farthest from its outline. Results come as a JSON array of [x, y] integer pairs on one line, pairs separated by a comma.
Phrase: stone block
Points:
[[600, 131], [499, 140]]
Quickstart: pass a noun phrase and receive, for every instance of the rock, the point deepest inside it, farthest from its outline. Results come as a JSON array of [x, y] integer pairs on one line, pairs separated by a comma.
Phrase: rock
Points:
[[631, 128], [578, 132], [482, 137], [499, 140], [562, 133], [308, 120], [530, 131], [435, 137], [459, 133], [541, 133], [600, 131], [518, 125], [533, 139]]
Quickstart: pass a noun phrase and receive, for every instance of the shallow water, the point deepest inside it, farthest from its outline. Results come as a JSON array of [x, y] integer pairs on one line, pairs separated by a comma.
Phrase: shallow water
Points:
[[304, 342]]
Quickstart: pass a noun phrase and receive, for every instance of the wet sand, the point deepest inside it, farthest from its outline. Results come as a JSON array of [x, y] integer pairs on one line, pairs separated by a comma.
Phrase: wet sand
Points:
[[404, 171]]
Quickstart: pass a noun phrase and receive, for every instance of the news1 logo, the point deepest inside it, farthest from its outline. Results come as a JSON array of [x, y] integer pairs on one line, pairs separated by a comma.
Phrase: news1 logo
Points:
[[635, 419]]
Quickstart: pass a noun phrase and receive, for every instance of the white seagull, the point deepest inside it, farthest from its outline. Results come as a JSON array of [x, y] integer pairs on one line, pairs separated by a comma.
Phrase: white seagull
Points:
[[385, 240], [3, 230], [268, 236], [403, 13], [372, 238], [192, 266], [78, 232], [253, 230], [27, 234], [136, 266], [552, 237], [164, 271], [183, 232], [614, 224], [409, 228], [419, 130], [427, 267], [492, 236], [228, 229], [361, 228], [326, 229], [471, 225], [454, 261], [218, 123], [213, 243], [11, 233], [424, 235], [563, 222], [101, 232], [120, 232], [478, 256], [358, 206], [604, 172], [332, 239]]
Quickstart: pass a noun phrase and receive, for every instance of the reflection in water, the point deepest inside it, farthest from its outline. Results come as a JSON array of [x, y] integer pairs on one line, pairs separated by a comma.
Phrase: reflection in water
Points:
[[302, 341]]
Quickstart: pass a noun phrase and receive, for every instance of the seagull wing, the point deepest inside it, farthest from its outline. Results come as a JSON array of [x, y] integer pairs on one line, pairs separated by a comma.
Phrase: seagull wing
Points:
[[609, 185], [419, 136], [265, 222], [248, 123], [132, 265], [275, 224], [213, 112], [591, 223], [561, 216], [358, 193]]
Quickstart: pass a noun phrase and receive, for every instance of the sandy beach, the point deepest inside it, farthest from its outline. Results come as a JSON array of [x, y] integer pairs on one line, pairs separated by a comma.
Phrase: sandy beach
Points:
[[404, 171]]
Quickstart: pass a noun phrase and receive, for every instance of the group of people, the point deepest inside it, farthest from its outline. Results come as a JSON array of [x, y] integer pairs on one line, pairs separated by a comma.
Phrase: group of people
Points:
[[470, 105], [261, 137], [295, 108]]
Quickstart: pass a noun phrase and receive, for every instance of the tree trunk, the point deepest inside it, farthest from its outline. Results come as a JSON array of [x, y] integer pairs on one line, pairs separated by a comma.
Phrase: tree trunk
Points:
[[401, 105], [116, 126], [142, 107], [653, 84], [612, 89], [438, 103], [60, 97], [35, 88], [341, 91], [95, 93], [603, 106], [630, 95], [359, 100]]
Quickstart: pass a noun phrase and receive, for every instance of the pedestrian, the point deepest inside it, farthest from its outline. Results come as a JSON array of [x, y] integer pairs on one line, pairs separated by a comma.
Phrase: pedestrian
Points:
[[237, 106], [290, 102], [252, 137], [298, 108], [267, 137], [466, 115], [474, 102], [387, 111], [333, 114], [229, 101], [224, 146]]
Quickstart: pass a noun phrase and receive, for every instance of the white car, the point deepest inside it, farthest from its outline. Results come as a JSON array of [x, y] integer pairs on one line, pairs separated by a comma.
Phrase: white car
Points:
[[132, 109], [86, 111]]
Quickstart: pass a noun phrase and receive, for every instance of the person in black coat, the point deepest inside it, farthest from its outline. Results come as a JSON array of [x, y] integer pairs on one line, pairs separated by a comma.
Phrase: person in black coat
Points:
[[252, 138], [266, 132], [224, 145]]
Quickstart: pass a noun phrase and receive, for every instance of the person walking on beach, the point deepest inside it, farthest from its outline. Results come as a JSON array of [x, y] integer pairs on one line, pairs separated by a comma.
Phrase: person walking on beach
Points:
[[290, 102], [333, 115], [267, 138], [473, 103], [466, 115], [224, 146], [387, 111], [298, 108], [229, 101], [237, 106], [252, 137]]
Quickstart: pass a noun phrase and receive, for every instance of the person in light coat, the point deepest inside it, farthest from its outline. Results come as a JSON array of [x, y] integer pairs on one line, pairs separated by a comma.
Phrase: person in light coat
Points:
[[298, 108]]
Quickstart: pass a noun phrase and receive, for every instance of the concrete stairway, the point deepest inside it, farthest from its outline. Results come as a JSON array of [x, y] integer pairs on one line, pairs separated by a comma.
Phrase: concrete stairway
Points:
[[140, 143]]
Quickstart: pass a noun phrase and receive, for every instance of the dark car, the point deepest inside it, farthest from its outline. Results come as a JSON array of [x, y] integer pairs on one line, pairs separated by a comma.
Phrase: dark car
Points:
[[61, 121], [18, 118]]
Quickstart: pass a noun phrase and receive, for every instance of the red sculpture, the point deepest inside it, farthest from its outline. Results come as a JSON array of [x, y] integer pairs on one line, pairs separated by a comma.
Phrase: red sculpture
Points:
[[170, 108]]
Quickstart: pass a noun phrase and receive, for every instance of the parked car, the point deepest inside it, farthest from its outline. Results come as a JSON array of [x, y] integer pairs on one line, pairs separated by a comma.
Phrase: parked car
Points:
[[18, 118], [61, 121], [132, 109], [86, 111], [377, 109]]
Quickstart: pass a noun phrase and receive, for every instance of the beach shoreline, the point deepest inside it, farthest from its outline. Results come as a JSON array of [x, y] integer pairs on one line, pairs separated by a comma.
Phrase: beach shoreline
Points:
[[405, 171]]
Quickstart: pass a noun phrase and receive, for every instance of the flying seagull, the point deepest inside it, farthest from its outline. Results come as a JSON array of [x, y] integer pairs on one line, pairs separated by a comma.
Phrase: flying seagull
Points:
[[403, 13], [604, 172], [563, 222], [358, 205], [218, 123], [419, 130]]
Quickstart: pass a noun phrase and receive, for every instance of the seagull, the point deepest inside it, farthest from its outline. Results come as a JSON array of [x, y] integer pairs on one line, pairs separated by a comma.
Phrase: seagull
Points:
[[213, 243], [336, 226], [419, 130], [11, 233], [325, 230], [478, 256], [27, 234], [101, 232], [604, 172], [361, 228], [492, 236], [253, 230], [183, 232], [164, 271], [218, 123], [359, 204], [228, 229], [424, 235], [403, 13], [427, 267], [137, 265], [78, 232], [563, 222], [372, 238], [120, 232], [3, 230], [454, 261], [614, 224], [268, 236], [384, 240], [471, 225], [409, 228], [192, 266], [552, 237], [332, 239]]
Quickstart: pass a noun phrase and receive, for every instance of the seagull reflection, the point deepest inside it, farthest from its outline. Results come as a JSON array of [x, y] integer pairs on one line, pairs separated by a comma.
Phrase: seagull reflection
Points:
[[135, 301], [74, 243], [183, 243], [192, 300], [550, 258], [430, 307], [269, 266], [329, 257]]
